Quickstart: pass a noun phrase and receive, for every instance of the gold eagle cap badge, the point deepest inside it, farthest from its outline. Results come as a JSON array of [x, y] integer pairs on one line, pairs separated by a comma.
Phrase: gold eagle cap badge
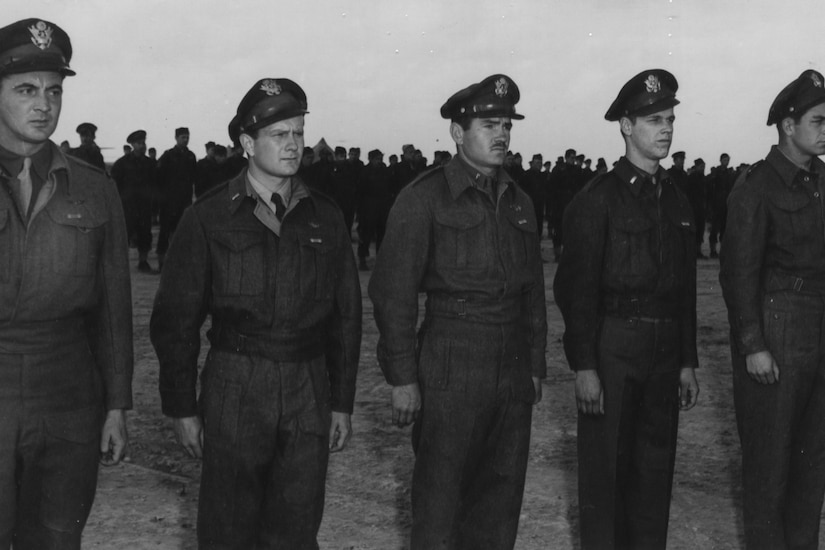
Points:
[[41, 35], [271, 87], [652, 84], [501, 87]]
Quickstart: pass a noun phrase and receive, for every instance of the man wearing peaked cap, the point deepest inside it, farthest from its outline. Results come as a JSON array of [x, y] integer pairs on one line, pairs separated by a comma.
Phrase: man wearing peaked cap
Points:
[[88, 151], [270, 261], [136, 180], [773, 281], [176, 174], [65, 305], [626, 287], [465, 234]]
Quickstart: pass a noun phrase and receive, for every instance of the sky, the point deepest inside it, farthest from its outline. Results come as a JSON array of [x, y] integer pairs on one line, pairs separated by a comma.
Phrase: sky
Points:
[[376, 72]]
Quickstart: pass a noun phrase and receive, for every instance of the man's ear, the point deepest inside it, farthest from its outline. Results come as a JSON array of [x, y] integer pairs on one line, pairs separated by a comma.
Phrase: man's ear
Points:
[[457, 133]]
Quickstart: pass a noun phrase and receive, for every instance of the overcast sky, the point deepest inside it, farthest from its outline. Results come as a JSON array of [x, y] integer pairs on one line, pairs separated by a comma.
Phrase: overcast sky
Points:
[[376, 72]]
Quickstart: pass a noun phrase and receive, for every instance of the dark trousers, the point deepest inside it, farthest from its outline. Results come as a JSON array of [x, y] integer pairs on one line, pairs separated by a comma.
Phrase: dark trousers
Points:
[[717, 225], [140, 218], [266, 434], [781, 427], [170, 215], [627, 456], [472, 439], [50, 420]]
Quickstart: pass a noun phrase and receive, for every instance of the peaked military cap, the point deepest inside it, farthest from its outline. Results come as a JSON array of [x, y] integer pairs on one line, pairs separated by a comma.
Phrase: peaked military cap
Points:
[[34, 45], [648, 92], [86, 128], [182, 131], [678, 154], [495, 96], [137, 135], [269, 100], [797, 97]]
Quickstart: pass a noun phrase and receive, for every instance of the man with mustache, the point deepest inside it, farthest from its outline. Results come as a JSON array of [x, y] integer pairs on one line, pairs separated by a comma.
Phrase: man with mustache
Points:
[[466, 235], [65, 305], [626, 286], [773, 281]]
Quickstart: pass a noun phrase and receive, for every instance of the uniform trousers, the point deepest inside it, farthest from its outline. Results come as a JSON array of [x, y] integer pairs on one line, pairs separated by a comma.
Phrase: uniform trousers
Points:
[[781, 427], [50, 419], [626, 456], [472, 439], [266, 437]]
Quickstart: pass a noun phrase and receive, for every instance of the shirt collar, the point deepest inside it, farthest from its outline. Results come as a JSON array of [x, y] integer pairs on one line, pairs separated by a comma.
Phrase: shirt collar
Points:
[[12, 163], [635, 177], [460, 176], [788, 170]]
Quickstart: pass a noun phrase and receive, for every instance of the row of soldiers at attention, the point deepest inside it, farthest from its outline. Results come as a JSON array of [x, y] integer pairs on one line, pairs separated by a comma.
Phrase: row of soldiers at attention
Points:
[[269, 260]]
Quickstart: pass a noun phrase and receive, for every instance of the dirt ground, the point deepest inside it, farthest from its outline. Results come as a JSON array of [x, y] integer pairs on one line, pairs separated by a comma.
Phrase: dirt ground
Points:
[[150, 501]]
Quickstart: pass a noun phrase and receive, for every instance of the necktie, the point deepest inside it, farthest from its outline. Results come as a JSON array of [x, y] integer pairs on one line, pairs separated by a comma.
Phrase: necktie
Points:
[[24, 180], [280, 207]]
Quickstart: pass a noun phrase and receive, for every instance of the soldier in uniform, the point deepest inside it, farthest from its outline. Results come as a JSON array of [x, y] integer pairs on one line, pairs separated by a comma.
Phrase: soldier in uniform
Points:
[[374, 203], [773, 281], [270, 261], [677, 172], [534, 183], [466, 235], [134, 175], [65, 305], [177, 169], [88, 150], [720, 183], [626, 286], [697, 196]]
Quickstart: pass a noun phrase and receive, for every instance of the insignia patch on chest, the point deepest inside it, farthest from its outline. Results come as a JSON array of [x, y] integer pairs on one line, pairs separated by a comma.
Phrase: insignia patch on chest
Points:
[[522, 222], [74, 216], [316, 240], [314, 225], [685, 224]]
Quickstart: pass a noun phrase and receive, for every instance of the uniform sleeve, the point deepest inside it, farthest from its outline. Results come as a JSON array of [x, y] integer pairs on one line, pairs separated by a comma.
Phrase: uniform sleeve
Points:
[[179, 312], [537, 308], [741, 260], [395, 283], [113, 316], [576, 287], [343, 337]]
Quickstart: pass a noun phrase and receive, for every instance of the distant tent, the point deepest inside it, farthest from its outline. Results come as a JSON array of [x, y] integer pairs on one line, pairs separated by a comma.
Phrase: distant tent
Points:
[[322, 146]]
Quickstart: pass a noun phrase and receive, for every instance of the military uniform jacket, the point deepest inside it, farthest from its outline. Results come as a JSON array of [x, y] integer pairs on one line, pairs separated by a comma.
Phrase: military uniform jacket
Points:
[[69, 269], [445, 237], [622, 244], [775, 236], [176, 174], [296, 290]]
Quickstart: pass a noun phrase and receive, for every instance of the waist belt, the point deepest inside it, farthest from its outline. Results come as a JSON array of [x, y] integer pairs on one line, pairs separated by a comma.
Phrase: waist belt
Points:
[[476, 311], [42, 336], [785, 281], [640, 307], [283, 346]]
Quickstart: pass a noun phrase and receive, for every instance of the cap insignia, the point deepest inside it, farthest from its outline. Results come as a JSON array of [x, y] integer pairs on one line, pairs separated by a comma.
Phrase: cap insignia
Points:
[[501, 87], [271, 87], [652, 84], [41, 35], [817, 80]]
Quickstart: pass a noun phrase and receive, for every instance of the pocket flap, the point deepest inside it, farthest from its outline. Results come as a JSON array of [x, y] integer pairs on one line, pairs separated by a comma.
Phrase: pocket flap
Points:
[[789, 202], [237, 240], [81, 213], [321, 242], [459, 219]]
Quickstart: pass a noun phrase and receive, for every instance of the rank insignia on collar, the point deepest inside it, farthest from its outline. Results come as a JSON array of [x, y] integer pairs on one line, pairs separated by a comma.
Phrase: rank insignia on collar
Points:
[[41, 35], [652, 84], [817, 80], [271, 87], [501, 87]]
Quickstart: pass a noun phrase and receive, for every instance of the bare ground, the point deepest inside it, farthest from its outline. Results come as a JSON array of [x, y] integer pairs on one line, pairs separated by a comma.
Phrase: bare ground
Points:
[[150, 501]]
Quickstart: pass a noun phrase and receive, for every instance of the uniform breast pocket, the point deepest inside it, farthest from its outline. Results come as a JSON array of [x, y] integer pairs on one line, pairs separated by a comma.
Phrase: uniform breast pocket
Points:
[[74, 245], [522, 242], [632, 245], [318, 273], [238, 267], [460, 240], [796, 217]]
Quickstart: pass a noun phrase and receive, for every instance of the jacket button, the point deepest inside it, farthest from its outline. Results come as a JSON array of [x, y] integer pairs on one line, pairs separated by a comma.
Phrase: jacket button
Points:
[[776, 316]]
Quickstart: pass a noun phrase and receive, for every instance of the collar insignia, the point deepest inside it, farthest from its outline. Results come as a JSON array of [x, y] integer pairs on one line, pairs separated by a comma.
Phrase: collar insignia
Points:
[[817, 80], [41, 35], [652, 84], [271, 87], [501, 87]]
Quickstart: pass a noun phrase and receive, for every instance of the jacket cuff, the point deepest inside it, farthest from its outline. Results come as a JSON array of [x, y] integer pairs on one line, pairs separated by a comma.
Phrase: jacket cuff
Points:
[[119, 393], [179, 404]]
